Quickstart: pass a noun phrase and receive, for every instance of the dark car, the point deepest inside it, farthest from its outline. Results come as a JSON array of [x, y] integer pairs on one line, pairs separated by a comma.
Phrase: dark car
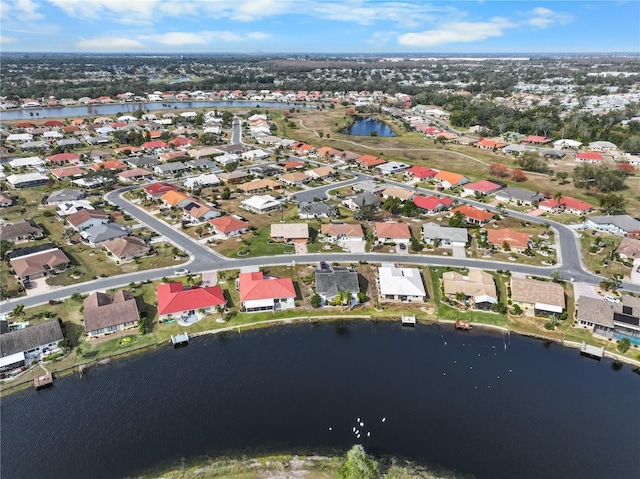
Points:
[[403, 246]]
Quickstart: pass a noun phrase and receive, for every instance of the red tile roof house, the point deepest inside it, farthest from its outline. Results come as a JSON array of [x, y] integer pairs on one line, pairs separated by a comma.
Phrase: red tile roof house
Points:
[[483, 187], [589, 157], [258, 293], [63, 158], [516, 240], [302, 148], [156, 190], [70, 172], [473, 215], [432, 204], [393, 233], [450, 180], [535, 140], [487, 144], [174, 301], [572, 205], [369, 161], [156, 146], [228, 226], [421, 172]]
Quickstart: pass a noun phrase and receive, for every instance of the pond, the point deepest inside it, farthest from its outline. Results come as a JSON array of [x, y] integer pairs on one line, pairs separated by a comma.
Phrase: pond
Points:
[[368, 126], [478, 402]]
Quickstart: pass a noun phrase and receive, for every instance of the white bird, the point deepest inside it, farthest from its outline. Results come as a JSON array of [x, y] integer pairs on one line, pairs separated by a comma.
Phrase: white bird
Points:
[[354, 429], [470, 367], [358, 420], [369, 434], [510, 370], [384, 419], [361, 424], [444, 374], [330, 429], [358, 432]]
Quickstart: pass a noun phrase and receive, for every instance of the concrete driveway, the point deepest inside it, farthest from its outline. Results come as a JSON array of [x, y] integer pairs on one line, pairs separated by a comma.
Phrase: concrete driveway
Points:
[[458, 252]]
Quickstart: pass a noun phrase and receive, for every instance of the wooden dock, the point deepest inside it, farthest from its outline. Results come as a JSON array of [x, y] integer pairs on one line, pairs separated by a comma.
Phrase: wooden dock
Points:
[[43, 381], [591, 351], [408, 320], [465, 325], [180, 340]]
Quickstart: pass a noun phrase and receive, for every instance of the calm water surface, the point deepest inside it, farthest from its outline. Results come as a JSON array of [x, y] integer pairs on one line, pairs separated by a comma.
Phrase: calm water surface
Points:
[[99, 110], [477, 403], [365, 126]]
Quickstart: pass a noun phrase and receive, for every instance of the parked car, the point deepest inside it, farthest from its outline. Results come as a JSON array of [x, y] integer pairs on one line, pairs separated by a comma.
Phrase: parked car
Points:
[[180, 271], [403, 246]]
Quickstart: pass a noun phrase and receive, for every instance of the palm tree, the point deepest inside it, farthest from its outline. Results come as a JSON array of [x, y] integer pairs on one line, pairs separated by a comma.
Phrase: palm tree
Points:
[[18, 310], [558, 197]]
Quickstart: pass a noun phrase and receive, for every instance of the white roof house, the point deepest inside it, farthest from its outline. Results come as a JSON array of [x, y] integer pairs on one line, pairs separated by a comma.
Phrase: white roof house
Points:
[[20, 137], [260, 204], [202, 180], [29, 162], [566, 143], [403, 284], [254, 155], [26, 180], [226, 159]]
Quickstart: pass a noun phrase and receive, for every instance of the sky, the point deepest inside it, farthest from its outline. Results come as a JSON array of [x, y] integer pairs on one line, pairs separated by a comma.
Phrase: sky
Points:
[[319, 26]]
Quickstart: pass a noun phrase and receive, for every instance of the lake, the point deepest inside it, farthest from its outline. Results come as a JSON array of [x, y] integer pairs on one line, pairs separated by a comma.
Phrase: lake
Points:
[[480, 402], [33, 114], [365, 126]]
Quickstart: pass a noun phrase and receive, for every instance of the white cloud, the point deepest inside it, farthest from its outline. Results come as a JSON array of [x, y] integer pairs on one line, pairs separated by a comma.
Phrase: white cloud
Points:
[[456, 32], [201, 38], [4, 39], [258, 35], [407, 14], [122, 11], [108, 44], [382, 37], [541, 17], [26, 10], [5, 10]]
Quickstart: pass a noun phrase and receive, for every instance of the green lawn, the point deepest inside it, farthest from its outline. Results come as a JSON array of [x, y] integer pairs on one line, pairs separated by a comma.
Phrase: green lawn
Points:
[[596, 262]]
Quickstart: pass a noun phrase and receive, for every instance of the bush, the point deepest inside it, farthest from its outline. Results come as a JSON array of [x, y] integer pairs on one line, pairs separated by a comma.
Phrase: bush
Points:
[[623, 345], [47, 213], [316, 301], [362, 297]]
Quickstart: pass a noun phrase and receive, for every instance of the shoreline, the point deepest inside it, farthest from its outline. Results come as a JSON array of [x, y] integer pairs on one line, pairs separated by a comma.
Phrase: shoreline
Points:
[[84, 366]]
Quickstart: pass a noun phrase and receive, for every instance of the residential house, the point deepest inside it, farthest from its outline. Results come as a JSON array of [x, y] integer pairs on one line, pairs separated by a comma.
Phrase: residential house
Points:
[[127, 248], [488, 144], [477, 286], [195, 212], [201, 164], [315, 209], [392, 167], [629, 248], [623, 225], [228, 226], [5, 200], [142, 162], [568, 204], [27, 180], [290, 232], [516, 240], [444, 236], [255, 155], [224, 160], [175, 199], [291, 165], [69, 172], [450, 180], [483, 187], [37, 261], [168, 169], [108, 165], [401, 284], [360, 200], [343, 231], [611, 320], [260, 204], [260, 293], [421, 172], [100, 233], [257, 186], [302, 149], [71, 207], [401, 193], [566, 143], [108, 313], [589, 157], [535, 140], [202, 181], [605, 146], [296, 178], [85, 218], [473, 215], [23, 346], [544, 298], [392, 232], [330, 282], [22, 230], [156, 190], [369, 161], [156, 146], [432, 204], [136, 174], [328, 152], [174, 301], [64, 195], [263, 171], [518, 196], [31, 162]]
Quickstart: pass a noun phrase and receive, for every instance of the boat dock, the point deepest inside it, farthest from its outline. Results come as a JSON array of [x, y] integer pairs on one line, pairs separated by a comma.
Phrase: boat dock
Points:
[[44, 381], [591, 351], [180, 340], [408, 320], [463, 324]]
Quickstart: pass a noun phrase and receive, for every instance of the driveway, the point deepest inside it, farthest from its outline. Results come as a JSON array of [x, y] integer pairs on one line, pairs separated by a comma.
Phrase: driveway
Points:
[[458, 252], [353, 246], [301, 248]]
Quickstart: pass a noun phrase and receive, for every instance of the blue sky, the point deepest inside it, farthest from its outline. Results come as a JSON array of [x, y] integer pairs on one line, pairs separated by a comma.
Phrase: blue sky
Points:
[[341, 26]]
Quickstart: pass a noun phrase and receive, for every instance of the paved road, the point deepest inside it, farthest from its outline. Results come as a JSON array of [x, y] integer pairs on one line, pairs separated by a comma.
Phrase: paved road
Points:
[[236, 132]]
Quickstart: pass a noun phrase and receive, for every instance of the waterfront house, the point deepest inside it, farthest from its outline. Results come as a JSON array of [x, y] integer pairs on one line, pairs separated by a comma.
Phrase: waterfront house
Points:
[[611, 320], [108, 313], [260, 293], [176, 301], [330, 282], [477, 286], [400, 284], [23, 346], [544, 298]]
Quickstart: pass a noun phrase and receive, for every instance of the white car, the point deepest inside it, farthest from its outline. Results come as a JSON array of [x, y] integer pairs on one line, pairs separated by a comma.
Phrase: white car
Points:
[[180, 271], [611, 299]]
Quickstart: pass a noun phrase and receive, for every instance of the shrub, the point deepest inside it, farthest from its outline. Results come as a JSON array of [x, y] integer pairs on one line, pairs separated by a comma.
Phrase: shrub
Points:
[[362, 297], [316, 301]]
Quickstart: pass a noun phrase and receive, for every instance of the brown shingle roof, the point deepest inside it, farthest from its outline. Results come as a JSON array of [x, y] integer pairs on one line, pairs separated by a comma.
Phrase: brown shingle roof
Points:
[[21, 228], [127, 247], [102, 310], [534, 291], [39, 262]]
